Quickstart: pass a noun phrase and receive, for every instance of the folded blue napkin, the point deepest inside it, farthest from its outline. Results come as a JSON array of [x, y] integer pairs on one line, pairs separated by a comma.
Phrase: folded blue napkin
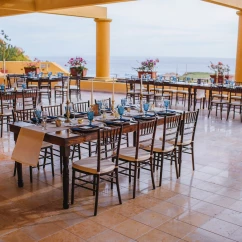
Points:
[[52, 117]]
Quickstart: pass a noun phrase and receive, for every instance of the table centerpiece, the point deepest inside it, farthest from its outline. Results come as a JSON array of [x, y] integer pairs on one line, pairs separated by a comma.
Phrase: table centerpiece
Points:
[[32, 66], [221, 72], [77, 66], [147, 67]]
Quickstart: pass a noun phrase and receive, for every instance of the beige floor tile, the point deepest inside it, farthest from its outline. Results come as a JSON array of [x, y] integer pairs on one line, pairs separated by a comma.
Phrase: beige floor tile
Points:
[[87, 229], [231, 216], [156, 236], [220, 200], [17, 236], [151, 218], [110, 236], [40, 231], [109, 219], [207, 208], [131, 228], [128, 209], [176, 228], [146, 201], [193, 218], [183, 201], [168, 209], [237, 235], [200, 235], [162, 194], [220, 227], [62, 236]]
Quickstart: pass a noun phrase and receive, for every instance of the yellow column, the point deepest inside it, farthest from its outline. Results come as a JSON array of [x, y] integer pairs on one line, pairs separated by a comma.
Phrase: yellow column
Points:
[[238, 69], [103, 48]]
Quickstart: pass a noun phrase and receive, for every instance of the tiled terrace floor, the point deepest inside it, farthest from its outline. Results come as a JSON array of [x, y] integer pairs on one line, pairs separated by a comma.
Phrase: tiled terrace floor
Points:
[[204, 205]]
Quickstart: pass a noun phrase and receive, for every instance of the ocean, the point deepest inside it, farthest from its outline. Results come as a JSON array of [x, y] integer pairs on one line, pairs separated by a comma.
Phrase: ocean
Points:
[[123, 66]]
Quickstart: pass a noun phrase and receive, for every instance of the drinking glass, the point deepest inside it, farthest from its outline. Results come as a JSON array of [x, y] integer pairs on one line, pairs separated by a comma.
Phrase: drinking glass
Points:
[[120, 111], [24, 85], [146, 108], [37, 116], [44, 117], [74, 111], [123, 101], [90, 115], [166, 104]]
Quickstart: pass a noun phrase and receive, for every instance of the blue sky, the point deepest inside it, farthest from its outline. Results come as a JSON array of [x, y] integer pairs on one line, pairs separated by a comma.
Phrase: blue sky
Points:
[[182, 28]]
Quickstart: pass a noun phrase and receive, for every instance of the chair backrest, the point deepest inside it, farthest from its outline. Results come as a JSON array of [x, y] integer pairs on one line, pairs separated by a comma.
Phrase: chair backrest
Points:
[[5, 98], [237, 91], [53, 110], [220, 90], [108, 145], [29, 98], [188, 126], [107, 102], [81, 106], [170, 130], [146, 131], [23, 115]]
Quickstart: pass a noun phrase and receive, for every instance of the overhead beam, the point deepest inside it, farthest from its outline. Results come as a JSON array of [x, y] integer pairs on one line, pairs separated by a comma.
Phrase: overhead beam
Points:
[[43, 5], [235, 4], [6, 13], [85, 12], [18, 5]]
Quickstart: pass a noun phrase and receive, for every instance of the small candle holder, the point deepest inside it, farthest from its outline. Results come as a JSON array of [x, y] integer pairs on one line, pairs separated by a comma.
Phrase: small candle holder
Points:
[[113, 108], [68, 112], [141, 106]]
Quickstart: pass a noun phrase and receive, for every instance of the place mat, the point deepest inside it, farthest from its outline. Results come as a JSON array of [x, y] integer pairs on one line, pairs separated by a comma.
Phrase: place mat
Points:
[[85, 128], [28, 146], [142, 117], [168, 113], [117, 121]]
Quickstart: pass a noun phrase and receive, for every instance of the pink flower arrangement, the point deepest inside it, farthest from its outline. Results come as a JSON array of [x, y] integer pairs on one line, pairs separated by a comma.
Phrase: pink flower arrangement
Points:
[[220, 68], [33, 64], [148, 65], [76, 62]]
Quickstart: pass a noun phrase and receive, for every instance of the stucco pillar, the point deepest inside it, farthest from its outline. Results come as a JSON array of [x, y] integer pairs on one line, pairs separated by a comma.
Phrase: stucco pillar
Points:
[[103, 48], [238, 69]]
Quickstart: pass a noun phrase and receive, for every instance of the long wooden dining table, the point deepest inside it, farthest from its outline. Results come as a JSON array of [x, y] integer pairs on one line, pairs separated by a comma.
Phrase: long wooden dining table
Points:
[[64, 139], [190, 87]]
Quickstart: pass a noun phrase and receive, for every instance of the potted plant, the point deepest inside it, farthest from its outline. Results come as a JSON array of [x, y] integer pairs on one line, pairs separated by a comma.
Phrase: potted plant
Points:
[[32, 66], [77, 66], [147, 67], [221, 72]]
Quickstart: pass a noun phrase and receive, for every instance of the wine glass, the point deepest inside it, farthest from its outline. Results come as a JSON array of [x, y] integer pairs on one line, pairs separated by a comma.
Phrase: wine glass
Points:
[[146, 107], [44, 117], [120, 111], [37, 116], [90, 115], [123, 101], [166, 104]]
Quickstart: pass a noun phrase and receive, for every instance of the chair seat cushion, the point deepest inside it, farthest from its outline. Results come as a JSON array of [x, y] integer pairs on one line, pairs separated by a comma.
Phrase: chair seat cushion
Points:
[[158, 147], [169, 90], [6, 112], [236, 103], [128, 154], [219, 95], [89, 165], [182, 91], [220, 101], [236, 97]]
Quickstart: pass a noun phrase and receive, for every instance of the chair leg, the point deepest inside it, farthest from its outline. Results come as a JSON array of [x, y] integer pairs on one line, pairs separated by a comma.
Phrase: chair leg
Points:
[[177, 173], [193, 163], [112, 181], [117, 184], [97, 193], [209, 110], [151, 171], [161, 155], [52, 161], [94, 185], [180, 159], [45, 158], [30, 173], [135, 178], [129, 172], [228, 111], [221, 111], [72, 186]]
